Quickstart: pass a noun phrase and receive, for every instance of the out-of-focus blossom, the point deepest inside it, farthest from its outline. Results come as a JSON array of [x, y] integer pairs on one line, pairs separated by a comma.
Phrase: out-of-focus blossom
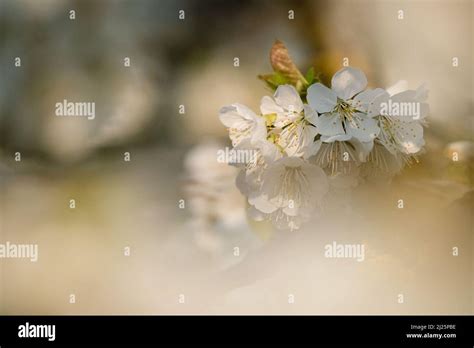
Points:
[[462, 151], [217, 210], [291, 190]]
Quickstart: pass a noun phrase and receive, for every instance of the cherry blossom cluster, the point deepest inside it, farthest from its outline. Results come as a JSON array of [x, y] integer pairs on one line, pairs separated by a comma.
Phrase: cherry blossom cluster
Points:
[[309, 138]]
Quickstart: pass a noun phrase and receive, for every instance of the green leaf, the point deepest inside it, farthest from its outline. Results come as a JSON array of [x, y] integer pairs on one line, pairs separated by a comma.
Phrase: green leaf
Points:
[[310, 76], [274, 80]]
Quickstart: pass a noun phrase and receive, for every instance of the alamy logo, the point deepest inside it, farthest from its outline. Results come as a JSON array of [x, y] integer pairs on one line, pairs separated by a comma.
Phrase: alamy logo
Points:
[[236, 156], [407, 109], [37, 331], [24, 251], [345, 251], [84, 109]]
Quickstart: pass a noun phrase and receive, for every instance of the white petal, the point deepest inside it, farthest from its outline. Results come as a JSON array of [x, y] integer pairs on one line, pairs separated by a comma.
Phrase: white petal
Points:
[[271, 182], [269, 151], [424, 110], [312, 149], [330, 124], [259, 131], [310, 115], [363, 128], [398, 87], [288, 97], [269, 106], [229, 116], [410, 109], [347, 82], [405, 96], [321, 98], [333, 138], [290, 162], [382, 163], [378, 105], [305, 189], [241, 182], [317, 178], [262, 203], [296, 138], [364, 101], [384, 138], [410, 137], [362, 149], [421, 93], [234, 114]]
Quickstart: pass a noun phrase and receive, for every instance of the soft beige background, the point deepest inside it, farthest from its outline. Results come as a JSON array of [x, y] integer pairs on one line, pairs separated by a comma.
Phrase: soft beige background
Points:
[[191, 251]]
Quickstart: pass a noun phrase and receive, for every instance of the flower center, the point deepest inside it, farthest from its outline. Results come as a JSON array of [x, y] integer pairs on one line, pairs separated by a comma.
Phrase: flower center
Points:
[[345, 109]]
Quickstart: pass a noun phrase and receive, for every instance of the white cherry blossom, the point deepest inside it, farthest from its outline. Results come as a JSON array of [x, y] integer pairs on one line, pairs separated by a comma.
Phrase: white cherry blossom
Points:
[[243, 124], [307, 155], [293, 123], [344, 109], [291, 191], [400, 119], [381, 165], [286, 105]]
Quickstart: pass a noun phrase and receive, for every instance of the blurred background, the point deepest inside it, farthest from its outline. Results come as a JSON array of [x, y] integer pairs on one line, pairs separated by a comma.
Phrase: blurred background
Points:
[[192, 248]]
